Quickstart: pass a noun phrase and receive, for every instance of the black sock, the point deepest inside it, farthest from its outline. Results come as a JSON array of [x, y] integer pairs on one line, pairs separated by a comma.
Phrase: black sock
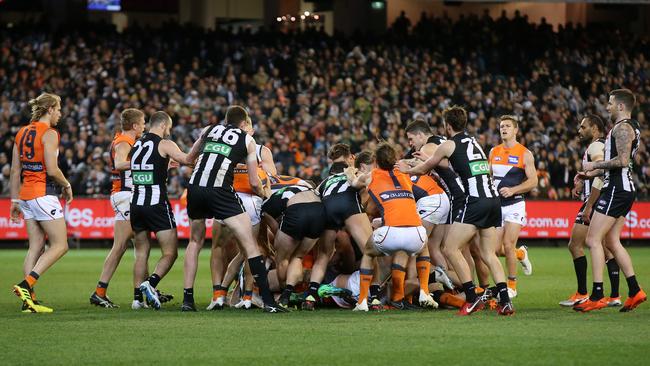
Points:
[[34, 274], [248, 293], [313, 289], [24, 284], [436, 295], [374, 292], [101, 284], [485, 286], [632, 285], [137, 294], [154, 279], [502, 290], [188, 295], [218, 287], [613, 272], [258, 269], [597, 292], [580, 266], [469, 290]]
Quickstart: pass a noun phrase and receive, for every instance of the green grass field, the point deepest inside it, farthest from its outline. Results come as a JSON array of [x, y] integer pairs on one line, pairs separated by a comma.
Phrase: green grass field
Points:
[[541, 333]]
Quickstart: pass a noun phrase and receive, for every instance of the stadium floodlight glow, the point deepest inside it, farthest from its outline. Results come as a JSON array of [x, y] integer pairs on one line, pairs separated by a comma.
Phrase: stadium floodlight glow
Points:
[[293, 19], [284, 17], [316, 17], [279, 19], [307, 13], [302, 17], [377, 5]]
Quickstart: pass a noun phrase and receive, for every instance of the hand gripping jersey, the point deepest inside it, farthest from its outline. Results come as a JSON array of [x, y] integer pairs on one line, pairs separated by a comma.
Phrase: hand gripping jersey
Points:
[[35, 181], [508, 169], [148, 172], [277, 203], [425, 185], [120, 179], [224, 147], [594, 148], [621, 178], [470, 163], [392, 191], [451, 183]]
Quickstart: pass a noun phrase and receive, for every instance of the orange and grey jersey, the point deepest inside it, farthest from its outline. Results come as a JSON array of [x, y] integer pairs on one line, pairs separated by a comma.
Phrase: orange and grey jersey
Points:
[[121, 179], [508, 169], [35, 181]]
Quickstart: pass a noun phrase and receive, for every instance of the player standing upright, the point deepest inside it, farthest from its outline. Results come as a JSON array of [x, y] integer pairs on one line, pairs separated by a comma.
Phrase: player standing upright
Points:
[[132, 123], [592, 129], [150, 208], [615, 201], [481, 211], [514, 174], [34, 163], [211, 194]]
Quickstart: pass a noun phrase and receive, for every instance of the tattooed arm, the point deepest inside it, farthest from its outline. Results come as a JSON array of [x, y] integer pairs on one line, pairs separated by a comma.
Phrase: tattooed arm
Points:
[[624, 134]]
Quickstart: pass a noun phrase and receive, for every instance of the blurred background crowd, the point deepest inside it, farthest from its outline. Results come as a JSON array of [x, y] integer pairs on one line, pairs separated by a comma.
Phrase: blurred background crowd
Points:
[[306, 90]]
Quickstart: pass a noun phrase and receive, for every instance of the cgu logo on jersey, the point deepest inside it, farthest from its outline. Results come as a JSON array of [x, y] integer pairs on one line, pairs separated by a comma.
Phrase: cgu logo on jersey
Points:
[[479, 167], [334, 180], [391, 195], [143, 178], [513, 159], [217, 148]]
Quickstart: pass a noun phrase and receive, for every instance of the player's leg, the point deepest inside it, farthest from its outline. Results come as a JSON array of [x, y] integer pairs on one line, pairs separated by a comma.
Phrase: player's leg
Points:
[[168, 240], [576, 248], [482, 270], [140, 267], [36, 248], [295, 268], [122, 236], [191, 262], [368, 269], [613, 272], [324, 252], [510, 235], [242, 229], [488, 246], [599, 226], [457, 238], [635, 295]]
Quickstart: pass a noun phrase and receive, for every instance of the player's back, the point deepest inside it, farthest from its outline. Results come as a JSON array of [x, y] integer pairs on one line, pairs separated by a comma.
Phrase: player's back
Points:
[[35, 181], [241, 183], [149, 172], [392, 191], [224, 147], [471, 164], [425, 185]]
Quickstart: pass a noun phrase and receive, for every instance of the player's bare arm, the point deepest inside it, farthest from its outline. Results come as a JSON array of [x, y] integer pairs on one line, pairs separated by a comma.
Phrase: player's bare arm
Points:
[[624, 136]]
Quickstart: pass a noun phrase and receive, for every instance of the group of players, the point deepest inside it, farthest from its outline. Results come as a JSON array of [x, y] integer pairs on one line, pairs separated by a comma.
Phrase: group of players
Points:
[[429, 222]]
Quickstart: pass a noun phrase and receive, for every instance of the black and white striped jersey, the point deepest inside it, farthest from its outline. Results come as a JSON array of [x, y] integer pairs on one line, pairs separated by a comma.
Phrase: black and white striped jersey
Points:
[[335, 184], [224, 147], [148, 172], [621, 178], [470, 163], [451, 182], [277, 203], [596, 146]]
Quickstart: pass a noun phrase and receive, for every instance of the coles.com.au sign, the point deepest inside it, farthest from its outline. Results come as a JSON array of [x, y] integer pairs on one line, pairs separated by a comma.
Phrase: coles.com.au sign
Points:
[[93, 219]]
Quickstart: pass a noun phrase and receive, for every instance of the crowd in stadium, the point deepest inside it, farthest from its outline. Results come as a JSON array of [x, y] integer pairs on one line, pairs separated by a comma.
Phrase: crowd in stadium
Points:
[[306, 91]]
